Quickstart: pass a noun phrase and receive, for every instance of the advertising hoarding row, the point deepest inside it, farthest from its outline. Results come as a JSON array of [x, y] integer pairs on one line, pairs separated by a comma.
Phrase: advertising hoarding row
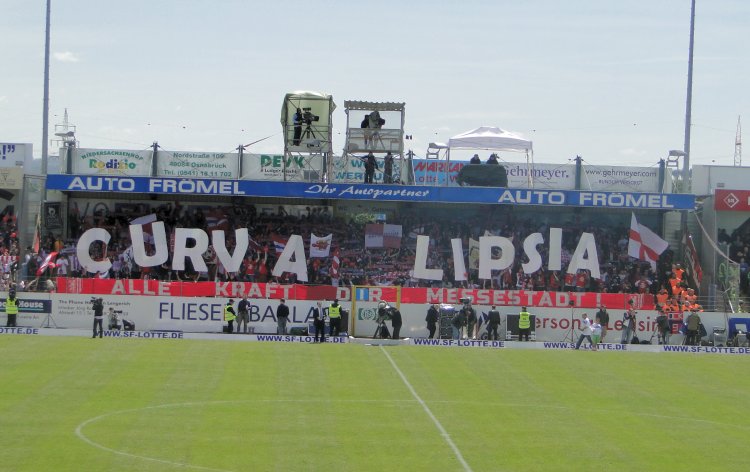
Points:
[[205, 315], [350, 169], [548, 176], [182, 164]]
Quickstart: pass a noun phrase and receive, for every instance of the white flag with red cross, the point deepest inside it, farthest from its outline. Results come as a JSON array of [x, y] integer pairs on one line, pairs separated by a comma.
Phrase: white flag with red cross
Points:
[[644, 244]]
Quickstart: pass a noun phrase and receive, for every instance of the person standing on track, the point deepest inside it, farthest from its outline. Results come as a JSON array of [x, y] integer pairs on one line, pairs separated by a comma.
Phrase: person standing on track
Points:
[[628, 324], [282, 317], [603, 320], [319, 323], [11, 308], [396, 322], [524, 324], [243, 315], [596, 333], [98, 307], [432, 319], [492, 323], [585, 332], [458, 322], [334, 314], [229, 316]]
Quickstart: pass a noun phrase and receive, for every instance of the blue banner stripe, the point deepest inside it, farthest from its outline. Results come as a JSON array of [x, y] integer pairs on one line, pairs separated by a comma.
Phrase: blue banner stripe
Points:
[[363, 294], [404, 193]]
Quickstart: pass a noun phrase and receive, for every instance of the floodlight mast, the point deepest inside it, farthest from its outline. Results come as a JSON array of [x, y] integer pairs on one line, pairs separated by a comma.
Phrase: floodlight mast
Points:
[[688, 118], [45, 105]]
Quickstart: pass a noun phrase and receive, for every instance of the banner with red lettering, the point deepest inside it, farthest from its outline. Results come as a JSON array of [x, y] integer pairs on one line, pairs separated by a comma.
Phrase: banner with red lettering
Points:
[[451, 296], [96, 286]]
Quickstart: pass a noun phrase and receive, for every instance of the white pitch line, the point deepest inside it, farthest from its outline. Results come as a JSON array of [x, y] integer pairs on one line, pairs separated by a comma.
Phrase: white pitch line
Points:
[[83, 437], [79, 429], [427, 410]]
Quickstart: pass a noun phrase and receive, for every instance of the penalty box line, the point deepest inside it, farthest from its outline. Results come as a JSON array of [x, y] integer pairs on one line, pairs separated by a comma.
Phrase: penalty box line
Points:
[[427, 410]]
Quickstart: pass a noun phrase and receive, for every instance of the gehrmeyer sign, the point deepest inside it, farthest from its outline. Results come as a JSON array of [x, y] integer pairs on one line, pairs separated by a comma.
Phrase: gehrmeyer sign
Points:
[[548, 176]]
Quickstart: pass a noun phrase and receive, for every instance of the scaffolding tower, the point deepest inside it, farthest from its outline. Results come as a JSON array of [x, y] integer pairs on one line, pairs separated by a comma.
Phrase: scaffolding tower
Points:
[[306, 118], [368, 131]]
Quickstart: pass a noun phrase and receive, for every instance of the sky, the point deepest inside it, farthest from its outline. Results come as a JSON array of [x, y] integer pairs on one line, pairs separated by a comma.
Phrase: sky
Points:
[[604, 80]]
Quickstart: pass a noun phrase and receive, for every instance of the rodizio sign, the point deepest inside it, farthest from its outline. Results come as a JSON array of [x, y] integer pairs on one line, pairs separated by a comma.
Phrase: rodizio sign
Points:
[[293, 259]]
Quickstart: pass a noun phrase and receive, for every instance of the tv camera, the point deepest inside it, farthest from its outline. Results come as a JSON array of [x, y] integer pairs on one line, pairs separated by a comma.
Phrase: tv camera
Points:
[[308, 117]]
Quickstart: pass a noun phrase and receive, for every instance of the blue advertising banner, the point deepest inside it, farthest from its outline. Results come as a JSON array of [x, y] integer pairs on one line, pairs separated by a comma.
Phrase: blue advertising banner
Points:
[[26, 305], [376, 192]]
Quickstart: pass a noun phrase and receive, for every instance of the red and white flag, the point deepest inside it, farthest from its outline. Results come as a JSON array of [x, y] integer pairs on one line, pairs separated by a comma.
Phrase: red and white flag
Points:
[[335, 265], [383, 235], [279, 243], [320, 246], [644, 244], [49, 261]]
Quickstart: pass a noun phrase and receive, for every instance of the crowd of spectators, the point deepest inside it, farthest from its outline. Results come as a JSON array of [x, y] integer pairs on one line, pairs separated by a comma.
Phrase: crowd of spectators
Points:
[[737, 246], [8, 247], [360, 265]]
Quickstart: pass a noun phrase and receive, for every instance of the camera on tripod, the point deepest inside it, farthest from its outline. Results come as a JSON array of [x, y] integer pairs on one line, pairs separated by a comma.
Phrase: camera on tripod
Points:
[[375, 121], [308, 117], [385, 312]]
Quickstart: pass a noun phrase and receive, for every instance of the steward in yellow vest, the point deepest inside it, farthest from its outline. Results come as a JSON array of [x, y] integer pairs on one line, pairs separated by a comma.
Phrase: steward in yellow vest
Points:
[[334, 315], [524, 324], [11, 308], [229, 316]]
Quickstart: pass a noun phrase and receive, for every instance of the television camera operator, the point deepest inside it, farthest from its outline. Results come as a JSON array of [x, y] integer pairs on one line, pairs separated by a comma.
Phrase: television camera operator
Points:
[[387, 312], [297, 120], [97, 304], [396, 322]]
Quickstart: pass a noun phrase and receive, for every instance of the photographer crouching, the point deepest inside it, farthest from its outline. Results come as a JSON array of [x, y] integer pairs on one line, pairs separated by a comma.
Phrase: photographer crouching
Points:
[[114, 319], [97, 304]]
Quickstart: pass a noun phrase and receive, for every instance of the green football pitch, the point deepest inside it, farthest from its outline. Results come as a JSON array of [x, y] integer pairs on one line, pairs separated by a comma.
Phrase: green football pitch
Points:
[[83, 404]]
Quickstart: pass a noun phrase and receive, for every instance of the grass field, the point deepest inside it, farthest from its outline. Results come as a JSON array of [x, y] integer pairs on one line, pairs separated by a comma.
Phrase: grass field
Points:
[[80, 404]]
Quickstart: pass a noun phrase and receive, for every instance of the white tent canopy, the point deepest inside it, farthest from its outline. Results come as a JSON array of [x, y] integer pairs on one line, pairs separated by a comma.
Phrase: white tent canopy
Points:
[[490, 138]]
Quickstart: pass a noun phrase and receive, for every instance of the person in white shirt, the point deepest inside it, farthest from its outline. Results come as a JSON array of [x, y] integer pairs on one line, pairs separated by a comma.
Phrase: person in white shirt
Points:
[[585, 332], [62, 266], [596, 333]]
